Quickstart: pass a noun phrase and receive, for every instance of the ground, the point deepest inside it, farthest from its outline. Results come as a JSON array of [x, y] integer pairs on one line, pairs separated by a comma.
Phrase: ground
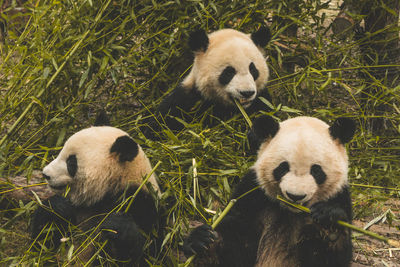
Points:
[[371, 252]]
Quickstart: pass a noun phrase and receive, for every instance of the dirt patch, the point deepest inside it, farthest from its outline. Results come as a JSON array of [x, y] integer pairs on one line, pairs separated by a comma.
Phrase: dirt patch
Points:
[[371, 252]]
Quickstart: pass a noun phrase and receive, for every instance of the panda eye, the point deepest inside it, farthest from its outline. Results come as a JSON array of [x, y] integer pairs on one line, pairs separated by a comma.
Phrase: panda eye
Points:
[[281, 170], [318, 173], [72, 165], [227, 75], [254, 71]]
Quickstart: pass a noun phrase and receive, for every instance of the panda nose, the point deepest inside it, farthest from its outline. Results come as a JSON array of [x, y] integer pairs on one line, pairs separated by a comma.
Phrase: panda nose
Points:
[[46, 177], [295, 197], [247, 94]]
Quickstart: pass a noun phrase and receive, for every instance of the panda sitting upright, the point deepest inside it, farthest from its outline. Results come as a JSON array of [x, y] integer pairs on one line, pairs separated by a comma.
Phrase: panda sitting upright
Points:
[[228, 65], [305, 161], [98, 168]]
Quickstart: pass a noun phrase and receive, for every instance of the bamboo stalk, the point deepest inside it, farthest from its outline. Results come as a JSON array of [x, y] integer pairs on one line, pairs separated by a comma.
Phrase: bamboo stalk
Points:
[[68, 56], [223, 213], [213, 226], [139, 188], [116, 209], [246, 117], [195, 181], [21, 187], [375, 187], [219, 219], [388, 241]]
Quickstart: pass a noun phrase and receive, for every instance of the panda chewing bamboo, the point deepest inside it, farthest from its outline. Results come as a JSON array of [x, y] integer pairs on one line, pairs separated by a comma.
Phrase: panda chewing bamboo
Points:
[[97, 168], [228, 66], [304, 160]]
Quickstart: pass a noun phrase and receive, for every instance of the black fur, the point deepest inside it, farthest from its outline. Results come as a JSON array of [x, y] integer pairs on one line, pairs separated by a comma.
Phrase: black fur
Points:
[[318, 173], [281, 170], [177, 104], [343, 129], [125, 147], [125, 241], [127, 244], [198, 41], [241, 230], [56, 210], [189, 106], [143, 209], [127, 236], [227, 75], [199, 240], [264, 127], [327, 214], [72, 165], [102, 119], [254, 71], [261, 37]]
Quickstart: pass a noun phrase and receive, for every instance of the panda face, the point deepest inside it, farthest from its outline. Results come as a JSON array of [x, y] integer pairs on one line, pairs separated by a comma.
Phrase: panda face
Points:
[[231, 68], [63, 170], [302, 162], [97, 161], [239, 84]]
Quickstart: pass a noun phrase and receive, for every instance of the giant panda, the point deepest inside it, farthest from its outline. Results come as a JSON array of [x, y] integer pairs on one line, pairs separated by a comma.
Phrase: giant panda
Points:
[[228, 65], [97, 169], [304, 160]]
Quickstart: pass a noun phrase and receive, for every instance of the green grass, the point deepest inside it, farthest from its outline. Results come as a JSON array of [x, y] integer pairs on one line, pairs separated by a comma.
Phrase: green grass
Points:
[[63, 61]]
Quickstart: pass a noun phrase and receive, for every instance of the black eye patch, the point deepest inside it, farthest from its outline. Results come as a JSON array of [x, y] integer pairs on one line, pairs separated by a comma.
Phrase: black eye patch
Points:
[[281, 170], [227, 75], [254, 71], [318, 173], [72, 165]]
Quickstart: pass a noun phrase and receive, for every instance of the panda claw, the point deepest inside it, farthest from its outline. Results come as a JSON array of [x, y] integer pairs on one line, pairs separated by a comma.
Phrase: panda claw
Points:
[[199, 240], [327, 215]]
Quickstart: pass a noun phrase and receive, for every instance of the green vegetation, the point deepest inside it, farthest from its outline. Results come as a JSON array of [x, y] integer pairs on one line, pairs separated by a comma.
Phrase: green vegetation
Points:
[[63, 61]]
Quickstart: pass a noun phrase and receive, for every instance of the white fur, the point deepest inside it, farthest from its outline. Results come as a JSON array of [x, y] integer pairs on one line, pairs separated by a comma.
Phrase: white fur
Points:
[[99, 171], [298, 185], [302, 142], [228, 47]]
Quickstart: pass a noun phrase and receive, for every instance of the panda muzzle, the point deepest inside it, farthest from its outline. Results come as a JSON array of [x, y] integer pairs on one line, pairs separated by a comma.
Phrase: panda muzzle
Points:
[[246, 94], [57, 187]]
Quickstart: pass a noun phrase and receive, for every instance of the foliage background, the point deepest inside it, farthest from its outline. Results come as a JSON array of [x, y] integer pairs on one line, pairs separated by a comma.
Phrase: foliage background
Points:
[[63, 61]]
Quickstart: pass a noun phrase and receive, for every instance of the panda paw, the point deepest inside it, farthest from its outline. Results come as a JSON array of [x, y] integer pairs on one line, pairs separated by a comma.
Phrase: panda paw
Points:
[[199, 240], [327, 215], [56, 210], [124, 237]]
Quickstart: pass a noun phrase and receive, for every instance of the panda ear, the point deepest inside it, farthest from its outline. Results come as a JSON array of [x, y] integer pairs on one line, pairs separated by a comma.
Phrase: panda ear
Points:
[[262, 36], [264, 127], [343, 129], [125, 148], [102, 119], [198, 41]]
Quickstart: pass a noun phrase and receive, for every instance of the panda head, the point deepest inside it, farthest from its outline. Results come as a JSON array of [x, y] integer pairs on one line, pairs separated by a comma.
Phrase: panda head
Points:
[[302, 159], [95, 162], [229, 65]]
